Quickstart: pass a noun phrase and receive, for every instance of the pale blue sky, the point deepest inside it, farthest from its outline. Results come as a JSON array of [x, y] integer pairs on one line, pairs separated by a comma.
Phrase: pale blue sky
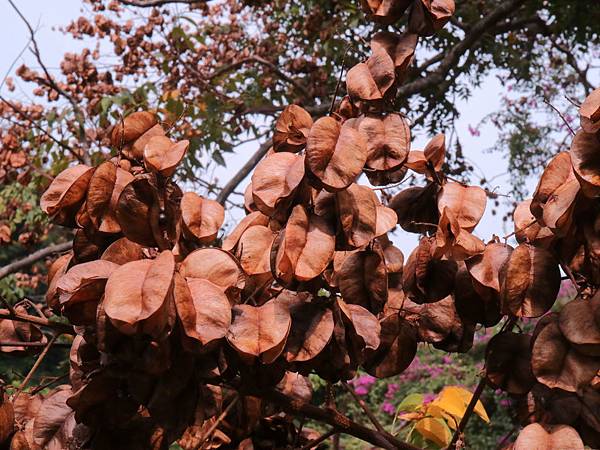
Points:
[[46, 15]]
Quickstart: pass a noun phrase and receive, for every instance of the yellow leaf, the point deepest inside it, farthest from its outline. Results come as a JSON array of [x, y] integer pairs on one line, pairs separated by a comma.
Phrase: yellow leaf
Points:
[[454, 400], [435, 411], [434, 430]]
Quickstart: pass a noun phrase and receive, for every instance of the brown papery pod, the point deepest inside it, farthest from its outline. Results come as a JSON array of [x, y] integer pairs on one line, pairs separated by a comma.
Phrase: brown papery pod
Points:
[[508, 363], [556, 363], [363, 328], [201, 217], [394, 261], [467, 203], [7, 417], [579, 322], [435, 152], [357, 211], [453, 242], [385, 177], [485, 268], [295, 386], [254, 250], [527, 229], [311, 330], [416, 208], [401, 48], [484, 277], [428, 16], [249, 205], [476, 306], [254, 218], [105, 187], [388, 141], [335, 153], [138, 296], [162, 156], [429, 161], [291, 129], [548, 437], [306, 248], [370, 81], [203, 309], [135, 150], [585, 149], [385, 12], [259, 331], [275, 179], [217, 266], [66, 193], [362, 279], [439, 324], [530, 281], [131, 128], [54, 425], [426, 279], [139, 212], [397, 348], [589, 112], [553, 202], [81, 288], [386, 220], [56, 270], [123, 251]]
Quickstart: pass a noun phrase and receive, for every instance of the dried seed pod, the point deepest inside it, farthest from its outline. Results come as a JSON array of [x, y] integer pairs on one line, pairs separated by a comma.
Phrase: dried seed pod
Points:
[[291, 129]]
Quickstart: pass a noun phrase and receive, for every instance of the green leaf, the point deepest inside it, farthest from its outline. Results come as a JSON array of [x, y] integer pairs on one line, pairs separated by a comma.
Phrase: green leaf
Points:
[[411, 402]]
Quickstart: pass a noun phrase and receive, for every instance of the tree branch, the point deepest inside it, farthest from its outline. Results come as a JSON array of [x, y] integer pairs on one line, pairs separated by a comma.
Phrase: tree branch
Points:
[[365, 408], [257, 59], [334, 418], [37, 126], [50, 81], [37, 363], [15, 266], [63, 328], [453, 55], [243, 172], [152, 3]]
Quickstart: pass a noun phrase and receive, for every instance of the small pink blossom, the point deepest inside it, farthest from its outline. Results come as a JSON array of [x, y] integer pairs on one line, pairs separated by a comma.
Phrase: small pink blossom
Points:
[[388, 408]]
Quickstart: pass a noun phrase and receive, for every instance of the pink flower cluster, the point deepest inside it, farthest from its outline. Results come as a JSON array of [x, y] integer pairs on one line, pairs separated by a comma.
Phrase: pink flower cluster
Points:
[[362, 385]]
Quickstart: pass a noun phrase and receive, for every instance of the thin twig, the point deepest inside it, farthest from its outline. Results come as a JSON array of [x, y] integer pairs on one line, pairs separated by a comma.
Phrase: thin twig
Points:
[[566, 269], [10, 307], [573, 102], [63, 328], [217, 422], [49, 383], [37, 363], [547, 102], [339, 81], [424, 224], [534, 221], [468, 412], [391, 186], [317, 441], [364, 407]]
